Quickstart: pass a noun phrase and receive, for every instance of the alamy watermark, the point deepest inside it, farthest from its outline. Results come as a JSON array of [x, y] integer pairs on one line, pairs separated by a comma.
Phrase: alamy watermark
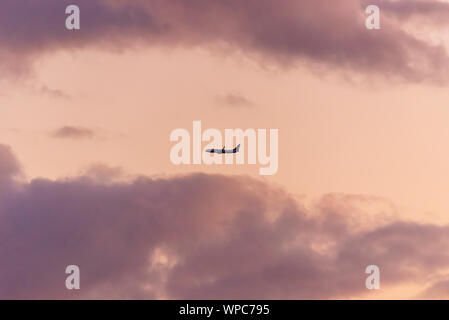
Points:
[[72, 282], [73, 22], [373, 280], [372, 22], [243, 146]]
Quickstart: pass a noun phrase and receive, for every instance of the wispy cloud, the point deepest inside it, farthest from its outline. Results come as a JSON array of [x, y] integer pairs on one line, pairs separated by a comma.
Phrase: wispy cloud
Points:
[[235, 100], [72, 132], [54, 93]]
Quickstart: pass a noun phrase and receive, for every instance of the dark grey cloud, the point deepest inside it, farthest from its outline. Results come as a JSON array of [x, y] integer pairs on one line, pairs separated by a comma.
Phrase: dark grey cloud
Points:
[[284, 32], [199, 236]]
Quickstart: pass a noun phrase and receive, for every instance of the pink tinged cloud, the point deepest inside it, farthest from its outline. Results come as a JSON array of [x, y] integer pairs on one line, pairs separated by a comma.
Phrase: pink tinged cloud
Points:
[[198, 237], [284, 32], [73, 132]]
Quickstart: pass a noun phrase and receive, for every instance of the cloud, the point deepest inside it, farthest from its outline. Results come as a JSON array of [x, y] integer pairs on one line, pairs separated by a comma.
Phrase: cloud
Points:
[[71, 132], [235, 100], [54, 93], [103, 173], [9, 166], [9, 169], [200, 236], [416, 8], [438, 290], [317, 32]]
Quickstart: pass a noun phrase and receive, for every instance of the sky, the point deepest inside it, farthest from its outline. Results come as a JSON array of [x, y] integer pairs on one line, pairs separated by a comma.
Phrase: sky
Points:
[[85, 171]]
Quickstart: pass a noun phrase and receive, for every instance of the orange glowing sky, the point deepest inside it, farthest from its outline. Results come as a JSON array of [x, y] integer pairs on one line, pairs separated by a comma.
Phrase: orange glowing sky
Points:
[[363, 117], [334, 136]]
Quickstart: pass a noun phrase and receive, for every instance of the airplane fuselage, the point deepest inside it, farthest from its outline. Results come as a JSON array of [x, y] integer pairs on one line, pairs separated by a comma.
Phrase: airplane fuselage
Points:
[[221, 151]]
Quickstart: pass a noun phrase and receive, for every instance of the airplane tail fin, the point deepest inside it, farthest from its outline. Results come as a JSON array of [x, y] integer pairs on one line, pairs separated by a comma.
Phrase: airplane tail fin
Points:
[[237, 148]]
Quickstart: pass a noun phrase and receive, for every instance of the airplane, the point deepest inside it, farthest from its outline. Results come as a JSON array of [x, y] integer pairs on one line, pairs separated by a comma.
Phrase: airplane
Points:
[[219, 151]]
